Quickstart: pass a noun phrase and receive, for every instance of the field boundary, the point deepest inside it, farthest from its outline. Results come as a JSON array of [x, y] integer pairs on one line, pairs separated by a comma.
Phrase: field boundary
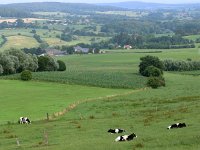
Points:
[[75, 104]]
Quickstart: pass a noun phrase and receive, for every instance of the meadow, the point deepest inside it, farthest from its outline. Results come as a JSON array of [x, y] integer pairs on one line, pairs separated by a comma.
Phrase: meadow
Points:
[[19, 42], [144, 111], [42, 98]]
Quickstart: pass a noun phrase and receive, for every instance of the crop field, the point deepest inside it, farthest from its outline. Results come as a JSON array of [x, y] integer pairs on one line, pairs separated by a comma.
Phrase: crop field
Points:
[[113, 70], [15, 32], [19, 42]]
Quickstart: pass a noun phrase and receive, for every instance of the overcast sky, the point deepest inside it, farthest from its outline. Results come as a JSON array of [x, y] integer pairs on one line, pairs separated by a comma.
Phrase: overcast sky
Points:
[[101, 1]]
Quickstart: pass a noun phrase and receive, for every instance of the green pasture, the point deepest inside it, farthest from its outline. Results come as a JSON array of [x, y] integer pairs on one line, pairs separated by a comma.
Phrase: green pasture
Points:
[[15, 32], [192, 37], [41, 98], [147, 113], [19, 42]]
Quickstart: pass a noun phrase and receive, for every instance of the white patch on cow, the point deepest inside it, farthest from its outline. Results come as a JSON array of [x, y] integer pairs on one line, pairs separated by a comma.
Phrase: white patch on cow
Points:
[[125, 137], [117, 139], [116, 130], [169, 127]]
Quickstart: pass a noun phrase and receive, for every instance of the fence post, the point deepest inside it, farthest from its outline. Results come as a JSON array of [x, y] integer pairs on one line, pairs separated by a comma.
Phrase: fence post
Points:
[[47, 116], [17, 140]]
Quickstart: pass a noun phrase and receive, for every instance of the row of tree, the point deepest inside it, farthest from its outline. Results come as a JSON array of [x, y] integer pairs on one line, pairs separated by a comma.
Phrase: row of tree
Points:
[[152, 42], [180, 65], [15, 61]]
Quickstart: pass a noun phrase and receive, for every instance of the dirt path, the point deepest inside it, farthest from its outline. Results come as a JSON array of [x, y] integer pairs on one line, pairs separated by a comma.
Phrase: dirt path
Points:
[[75, 104]]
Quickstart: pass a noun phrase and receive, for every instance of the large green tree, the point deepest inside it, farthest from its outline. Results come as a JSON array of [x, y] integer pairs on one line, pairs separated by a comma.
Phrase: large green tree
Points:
[[150, 61]]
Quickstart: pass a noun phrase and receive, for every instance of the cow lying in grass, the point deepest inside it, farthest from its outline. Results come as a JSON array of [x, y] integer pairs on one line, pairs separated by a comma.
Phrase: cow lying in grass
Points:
[[126, 137], [116, 131], [24, 120], [177, 125]]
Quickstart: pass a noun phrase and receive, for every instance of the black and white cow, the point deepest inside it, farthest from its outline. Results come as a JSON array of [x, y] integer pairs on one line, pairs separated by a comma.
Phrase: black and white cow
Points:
[[177, 125], [24, 120], [126, 137], [116, 131]]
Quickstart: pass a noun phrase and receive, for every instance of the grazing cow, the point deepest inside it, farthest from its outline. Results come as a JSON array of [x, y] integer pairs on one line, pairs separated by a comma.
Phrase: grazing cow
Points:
[[116, 131], [177, 125], [24, 120], [126, 137]]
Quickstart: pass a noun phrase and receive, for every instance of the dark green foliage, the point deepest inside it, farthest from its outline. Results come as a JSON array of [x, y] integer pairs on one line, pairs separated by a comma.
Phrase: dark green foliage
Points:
[[68, 49], [13, 12], [152, 42], [47, 63], [20, 23], [180, 65], [66, 37], [4, 40], [152, 71], [150, 61], [62, 66], [26, 75], [37, 37], [36, 51], [156, 82], [1, 69]]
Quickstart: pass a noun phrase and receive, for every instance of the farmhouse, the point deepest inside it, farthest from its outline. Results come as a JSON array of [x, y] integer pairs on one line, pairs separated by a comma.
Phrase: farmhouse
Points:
[[79, 49], [127, 47]]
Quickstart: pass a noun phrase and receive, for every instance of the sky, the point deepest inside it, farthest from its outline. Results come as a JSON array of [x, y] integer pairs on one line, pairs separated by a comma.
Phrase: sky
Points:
[[101, 1]]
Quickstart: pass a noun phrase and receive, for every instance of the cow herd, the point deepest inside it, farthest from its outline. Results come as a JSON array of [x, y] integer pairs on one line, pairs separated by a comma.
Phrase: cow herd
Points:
[[26, 120], [133, 135]]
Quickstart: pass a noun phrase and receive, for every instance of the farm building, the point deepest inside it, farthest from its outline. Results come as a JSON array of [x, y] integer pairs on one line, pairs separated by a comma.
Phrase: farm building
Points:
[[79, 49], [54, 52]]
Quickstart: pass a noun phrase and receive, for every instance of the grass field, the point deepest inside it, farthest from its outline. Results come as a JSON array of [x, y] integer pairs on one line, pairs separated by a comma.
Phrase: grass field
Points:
[[43, 97], [19, 42], [144, 111]]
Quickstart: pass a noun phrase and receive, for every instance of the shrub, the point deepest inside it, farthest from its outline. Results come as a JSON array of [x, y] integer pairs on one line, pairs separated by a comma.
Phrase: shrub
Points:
[[62, 66], [26, 75], [152, 71], [150, 61], [156, 82]]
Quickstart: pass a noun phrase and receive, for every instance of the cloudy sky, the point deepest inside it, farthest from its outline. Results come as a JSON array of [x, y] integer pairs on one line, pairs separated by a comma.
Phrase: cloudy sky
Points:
[[101, 1]]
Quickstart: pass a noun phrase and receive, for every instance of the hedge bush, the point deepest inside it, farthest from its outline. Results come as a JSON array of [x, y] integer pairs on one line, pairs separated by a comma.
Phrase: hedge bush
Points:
[[26, 75]]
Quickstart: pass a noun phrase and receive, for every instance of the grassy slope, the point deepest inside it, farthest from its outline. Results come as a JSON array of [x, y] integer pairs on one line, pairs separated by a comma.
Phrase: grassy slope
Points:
[[41, 98], [147, 113]]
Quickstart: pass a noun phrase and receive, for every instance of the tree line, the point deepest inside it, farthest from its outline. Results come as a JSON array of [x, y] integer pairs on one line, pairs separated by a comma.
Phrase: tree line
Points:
[[152, 42], [181, 65], [15, 61]]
